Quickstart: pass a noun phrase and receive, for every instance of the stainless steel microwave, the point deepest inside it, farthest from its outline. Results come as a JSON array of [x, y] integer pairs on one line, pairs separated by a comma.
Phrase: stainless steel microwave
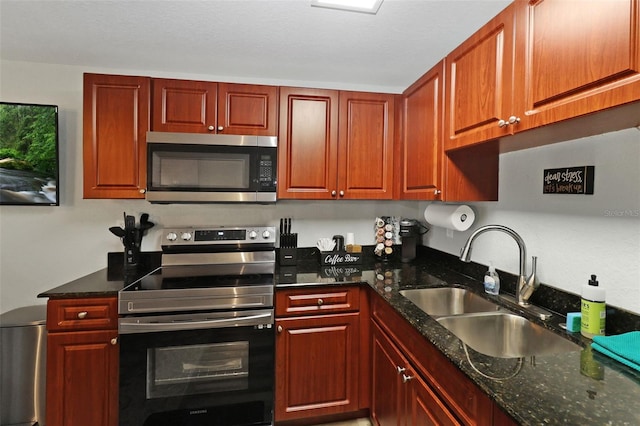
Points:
[[205, 168]]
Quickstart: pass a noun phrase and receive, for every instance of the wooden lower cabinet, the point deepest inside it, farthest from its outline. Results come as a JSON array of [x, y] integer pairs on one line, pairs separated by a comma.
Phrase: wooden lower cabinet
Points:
[[322, 354], [82, 362], [316, 366], [399, 395], [436, 392]]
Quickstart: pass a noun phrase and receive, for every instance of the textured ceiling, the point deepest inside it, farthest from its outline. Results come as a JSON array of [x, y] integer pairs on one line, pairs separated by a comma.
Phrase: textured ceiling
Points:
[[272, 40]]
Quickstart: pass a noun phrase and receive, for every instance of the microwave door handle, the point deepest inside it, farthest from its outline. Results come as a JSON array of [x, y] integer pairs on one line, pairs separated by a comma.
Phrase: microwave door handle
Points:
[[130, 326]]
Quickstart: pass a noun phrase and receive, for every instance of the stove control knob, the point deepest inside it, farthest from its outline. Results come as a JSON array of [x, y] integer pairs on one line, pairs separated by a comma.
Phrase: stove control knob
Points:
[[186, 236], [266, 235], [253, 235], [171, 236]]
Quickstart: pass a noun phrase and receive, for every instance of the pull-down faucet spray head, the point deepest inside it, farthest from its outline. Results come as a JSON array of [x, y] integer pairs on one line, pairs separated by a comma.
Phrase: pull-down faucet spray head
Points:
[[465, 256]]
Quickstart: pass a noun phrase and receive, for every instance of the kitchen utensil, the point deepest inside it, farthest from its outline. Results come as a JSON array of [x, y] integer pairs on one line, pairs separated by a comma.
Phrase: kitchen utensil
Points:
[[117, 231], [288, 239]]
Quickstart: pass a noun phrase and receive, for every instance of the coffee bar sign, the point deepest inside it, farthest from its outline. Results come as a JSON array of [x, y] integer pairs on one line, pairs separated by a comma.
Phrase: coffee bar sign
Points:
[[569, 180]]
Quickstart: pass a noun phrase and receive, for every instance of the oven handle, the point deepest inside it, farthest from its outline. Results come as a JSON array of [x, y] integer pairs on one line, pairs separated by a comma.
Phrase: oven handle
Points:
[[135, 325]]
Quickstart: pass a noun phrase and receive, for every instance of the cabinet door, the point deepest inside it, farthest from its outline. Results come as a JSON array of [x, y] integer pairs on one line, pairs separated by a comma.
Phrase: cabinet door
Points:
[[184, 106], [575, 58], [387, 394], [479, 84], [424, 408], [400, 396], [316, 366], [115, 124], [365, 153], [423, 105], [308, 144], [245, 109], [82, 378]]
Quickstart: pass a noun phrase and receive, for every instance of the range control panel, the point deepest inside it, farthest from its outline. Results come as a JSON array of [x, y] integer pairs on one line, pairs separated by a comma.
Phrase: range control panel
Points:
[[218, 235]]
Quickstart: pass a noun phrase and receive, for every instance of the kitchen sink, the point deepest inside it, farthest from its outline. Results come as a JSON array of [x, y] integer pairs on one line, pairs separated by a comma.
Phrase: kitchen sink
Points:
[[445, 301], [506, 335]]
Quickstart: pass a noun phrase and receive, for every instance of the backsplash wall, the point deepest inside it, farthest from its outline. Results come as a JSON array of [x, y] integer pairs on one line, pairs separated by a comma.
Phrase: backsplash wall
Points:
[[573, 236], [43, 247]]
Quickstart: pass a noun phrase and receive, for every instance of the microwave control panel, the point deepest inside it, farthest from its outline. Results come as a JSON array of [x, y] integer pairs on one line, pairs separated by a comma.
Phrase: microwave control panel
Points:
[[267, 171]]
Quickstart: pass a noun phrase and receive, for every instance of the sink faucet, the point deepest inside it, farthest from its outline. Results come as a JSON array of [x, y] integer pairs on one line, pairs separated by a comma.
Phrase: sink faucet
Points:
[[525, 286]]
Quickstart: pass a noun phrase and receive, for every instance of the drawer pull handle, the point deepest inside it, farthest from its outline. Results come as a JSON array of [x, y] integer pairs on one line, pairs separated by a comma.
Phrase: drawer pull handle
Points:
[[114, 341], [320, 302], [406, 378], [82, 315]]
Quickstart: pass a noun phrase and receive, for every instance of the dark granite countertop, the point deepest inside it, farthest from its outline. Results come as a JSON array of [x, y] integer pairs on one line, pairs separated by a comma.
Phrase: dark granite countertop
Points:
[[574, 388], [107, 281]]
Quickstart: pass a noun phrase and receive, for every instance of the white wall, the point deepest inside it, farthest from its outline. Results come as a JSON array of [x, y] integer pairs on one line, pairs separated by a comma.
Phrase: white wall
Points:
[[573, 236], [43, 247]]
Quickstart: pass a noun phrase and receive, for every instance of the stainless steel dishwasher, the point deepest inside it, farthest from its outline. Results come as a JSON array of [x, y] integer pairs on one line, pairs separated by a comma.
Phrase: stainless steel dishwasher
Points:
[[23, 346]]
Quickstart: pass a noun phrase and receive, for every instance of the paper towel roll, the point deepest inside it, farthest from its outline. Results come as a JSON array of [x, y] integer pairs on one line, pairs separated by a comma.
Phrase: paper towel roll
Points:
[[450, 216]]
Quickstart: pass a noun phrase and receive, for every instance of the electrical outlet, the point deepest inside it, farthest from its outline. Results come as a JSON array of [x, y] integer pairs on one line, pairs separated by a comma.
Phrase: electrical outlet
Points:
[[449, 233]]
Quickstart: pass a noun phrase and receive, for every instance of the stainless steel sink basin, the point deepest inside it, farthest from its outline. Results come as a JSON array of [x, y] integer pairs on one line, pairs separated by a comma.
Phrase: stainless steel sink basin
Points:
[[505, 335], [447, 301]]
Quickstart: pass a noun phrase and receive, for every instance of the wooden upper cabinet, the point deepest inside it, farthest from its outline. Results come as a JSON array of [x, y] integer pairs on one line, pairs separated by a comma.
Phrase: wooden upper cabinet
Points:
[[574, 58], [335, 145], [245, 109], [307, 143], [365, 147], [184, 106], [208, 107], [421, 140], [115, 123], [479, 84]]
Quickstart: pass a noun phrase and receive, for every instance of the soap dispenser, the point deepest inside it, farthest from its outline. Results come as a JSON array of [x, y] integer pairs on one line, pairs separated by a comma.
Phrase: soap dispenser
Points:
[[491, 280], [593, 310]]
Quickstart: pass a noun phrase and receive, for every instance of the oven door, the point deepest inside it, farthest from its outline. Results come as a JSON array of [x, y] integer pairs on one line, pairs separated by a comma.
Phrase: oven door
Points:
[[220, 375]]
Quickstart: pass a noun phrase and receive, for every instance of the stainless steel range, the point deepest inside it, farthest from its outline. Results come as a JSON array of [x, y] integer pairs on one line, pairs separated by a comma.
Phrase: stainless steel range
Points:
[[196, 335]]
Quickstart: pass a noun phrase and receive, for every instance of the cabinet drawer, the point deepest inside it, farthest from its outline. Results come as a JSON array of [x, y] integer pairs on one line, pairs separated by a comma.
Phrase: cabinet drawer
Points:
[[312, 301], [82, 314]]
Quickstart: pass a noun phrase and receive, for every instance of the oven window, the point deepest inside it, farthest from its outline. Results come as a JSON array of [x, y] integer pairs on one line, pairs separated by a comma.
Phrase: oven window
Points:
[[200, 170], [196, 369]]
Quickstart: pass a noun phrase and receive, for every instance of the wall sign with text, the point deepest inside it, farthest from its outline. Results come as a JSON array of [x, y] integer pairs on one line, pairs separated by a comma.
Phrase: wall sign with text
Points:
[[568, 180]]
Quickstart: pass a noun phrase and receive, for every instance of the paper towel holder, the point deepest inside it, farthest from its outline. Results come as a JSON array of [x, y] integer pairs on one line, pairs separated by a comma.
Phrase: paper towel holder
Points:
[[457, 217]]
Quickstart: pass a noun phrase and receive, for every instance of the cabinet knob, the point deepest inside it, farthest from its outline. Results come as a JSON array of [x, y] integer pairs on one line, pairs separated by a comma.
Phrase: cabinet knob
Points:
[[82, 315], [406, 378], [510, 121], [143, 190], [333, 193], [437, 192], [279, 329], [342, 193], [211, 128], [400, 369], [114, 341], [220, 128], [320, 302]]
